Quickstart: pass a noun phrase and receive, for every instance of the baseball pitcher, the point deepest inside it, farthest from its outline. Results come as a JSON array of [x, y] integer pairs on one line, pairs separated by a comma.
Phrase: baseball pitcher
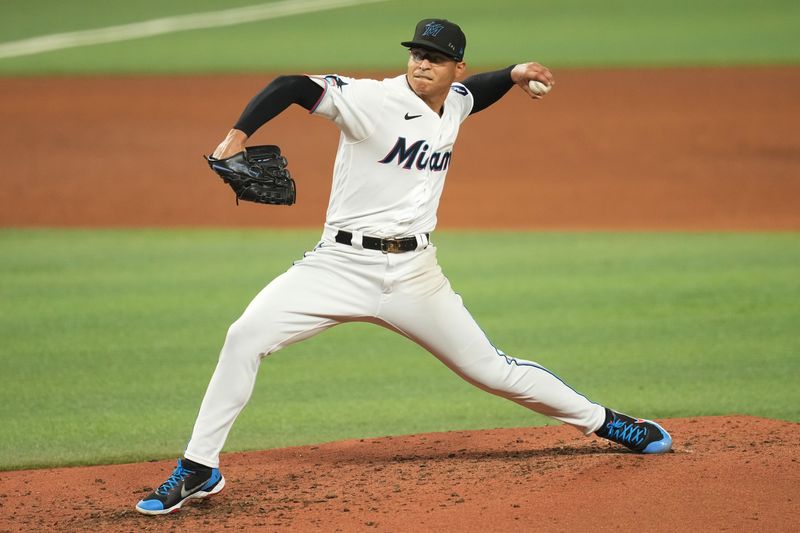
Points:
[[376, 258]]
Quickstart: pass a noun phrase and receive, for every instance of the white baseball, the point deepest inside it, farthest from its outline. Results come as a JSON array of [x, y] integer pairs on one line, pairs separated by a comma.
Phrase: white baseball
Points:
[[538, 87]]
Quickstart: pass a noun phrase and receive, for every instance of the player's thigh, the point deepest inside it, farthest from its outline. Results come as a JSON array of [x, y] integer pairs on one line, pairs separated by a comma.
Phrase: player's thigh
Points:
[[440, 323], [316, 293]]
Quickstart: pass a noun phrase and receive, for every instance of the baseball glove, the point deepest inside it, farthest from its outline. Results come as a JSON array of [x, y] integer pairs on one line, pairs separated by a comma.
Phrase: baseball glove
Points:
[[258, 174]]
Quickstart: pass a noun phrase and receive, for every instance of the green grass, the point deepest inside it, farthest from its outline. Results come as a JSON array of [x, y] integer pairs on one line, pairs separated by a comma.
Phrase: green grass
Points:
[[109, 337], [556, 32]]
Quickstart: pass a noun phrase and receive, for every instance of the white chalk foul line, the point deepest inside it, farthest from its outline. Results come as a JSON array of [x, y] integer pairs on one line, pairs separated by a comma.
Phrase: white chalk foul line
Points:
[[149, 28]]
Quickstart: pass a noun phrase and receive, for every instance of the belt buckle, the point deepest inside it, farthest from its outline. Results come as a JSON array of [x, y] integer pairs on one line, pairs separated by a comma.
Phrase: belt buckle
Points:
[[390, 246]]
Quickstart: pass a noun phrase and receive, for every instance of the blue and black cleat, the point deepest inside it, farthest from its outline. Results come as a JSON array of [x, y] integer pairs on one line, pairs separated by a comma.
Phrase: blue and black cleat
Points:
[[641, 436], [182, 485]]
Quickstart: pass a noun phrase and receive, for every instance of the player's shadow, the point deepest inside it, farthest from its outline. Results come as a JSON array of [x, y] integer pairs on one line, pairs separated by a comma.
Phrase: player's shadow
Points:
[[461, 455]]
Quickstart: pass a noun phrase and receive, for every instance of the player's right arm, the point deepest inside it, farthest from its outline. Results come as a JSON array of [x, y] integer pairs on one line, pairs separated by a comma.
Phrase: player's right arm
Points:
[[488, 87], [266, 105]]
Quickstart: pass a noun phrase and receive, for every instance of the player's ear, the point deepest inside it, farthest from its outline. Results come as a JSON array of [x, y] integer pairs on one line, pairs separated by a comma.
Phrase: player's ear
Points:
[[461, 69]]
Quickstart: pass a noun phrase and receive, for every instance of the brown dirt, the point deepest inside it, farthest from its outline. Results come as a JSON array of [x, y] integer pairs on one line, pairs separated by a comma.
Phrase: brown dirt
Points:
[[692, 149], [709, 149], [725, 474]]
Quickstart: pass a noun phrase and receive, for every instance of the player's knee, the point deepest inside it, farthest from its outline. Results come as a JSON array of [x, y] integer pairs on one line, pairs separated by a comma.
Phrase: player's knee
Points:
[[239, 342], [493, 384], [491, 378], [496, 376]]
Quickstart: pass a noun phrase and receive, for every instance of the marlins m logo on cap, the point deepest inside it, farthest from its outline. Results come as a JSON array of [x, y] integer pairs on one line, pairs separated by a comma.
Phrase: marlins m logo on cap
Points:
[[432, 29]]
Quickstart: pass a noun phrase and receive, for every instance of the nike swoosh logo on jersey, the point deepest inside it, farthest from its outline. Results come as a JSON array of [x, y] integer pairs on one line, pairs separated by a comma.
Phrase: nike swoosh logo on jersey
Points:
[[409, 117]]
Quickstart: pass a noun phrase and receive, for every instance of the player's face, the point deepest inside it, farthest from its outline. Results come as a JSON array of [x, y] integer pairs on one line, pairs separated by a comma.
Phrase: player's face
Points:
[[431, 73]]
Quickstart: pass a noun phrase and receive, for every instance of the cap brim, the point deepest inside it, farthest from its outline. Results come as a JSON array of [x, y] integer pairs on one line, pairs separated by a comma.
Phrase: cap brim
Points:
[[427, 45]]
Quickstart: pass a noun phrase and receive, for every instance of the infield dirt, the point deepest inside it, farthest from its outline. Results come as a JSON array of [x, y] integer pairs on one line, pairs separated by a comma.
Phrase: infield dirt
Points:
[[693, 149], [673, 149], [725, 474]]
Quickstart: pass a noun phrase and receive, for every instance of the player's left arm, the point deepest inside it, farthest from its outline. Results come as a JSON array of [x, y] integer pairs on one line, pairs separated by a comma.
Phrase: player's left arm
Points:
[[266, 105], [488, 87]]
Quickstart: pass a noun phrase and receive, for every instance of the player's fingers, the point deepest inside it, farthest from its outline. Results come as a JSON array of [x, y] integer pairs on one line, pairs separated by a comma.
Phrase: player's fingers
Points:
[[539, 72], [524, 86], [544, 75], [527, 72]]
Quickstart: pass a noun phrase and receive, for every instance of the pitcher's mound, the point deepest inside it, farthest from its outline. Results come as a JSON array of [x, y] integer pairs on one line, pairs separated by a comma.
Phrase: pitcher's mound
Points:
[[725, 473]]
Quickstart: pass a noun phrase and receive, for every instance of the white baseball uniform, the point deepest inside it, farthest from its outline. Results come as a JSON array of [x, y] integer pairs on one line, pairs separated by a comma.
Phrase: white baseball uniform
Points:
[[393, 156]]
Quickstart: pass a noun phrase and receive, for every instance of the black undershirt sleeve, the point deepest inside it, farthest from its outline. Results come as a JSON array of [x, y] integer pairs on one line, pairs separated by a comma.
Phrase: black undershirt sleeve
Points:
[[275, 98], [488, 87]]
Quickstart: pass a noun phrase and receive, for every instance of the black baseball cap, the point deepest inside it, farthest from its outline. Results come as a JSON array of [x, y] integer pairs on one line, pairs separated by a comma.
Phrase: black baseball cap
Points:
[[439, 35]]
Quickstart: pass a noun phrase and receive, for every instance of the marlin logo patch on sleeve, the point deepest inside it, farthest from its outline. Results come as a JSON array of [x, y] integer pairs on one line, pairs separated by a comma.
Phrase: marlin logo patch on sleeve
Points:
[[336, 81]]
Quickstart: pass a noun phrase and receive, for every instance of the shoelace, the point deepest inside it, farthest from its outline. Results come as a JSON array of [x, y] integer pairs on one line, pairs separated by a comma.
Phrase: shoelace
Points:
[[177, 476], [619, 430]]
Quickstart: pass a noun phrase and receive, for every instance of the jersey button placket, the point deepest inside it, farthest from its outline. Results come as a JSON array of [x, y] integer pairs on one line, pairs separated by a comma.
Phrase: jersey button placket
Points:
[[426, 186]]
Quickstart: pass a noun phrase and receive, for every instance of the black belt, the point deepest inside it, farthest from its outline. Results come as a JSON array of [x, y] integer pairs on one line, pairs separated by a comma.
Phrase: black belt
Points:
[[387, 246]]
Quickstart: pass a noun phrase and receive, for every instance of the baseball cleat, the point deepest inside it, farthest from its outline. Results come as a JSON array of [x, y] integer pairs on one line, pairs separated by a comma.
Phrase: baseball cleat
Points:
[[641, 436], [182, 485]]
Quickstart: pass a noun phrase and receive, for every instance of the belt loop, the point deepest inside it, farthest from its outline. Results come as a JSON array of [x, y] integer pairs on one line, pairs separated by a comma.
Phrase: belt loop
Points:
[[422, 241], [357, 241]]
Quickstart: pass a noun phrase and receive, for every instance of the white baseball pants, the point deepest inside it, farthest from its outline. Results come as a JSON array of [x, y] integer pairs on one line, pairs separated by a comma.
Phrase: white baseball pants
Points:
[[404, 292]]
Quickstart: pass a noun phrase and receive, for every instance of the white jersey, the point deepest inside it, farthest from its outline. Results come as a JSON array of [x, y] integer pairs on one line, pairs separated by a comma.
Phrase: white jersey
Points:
[[393, 156]]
